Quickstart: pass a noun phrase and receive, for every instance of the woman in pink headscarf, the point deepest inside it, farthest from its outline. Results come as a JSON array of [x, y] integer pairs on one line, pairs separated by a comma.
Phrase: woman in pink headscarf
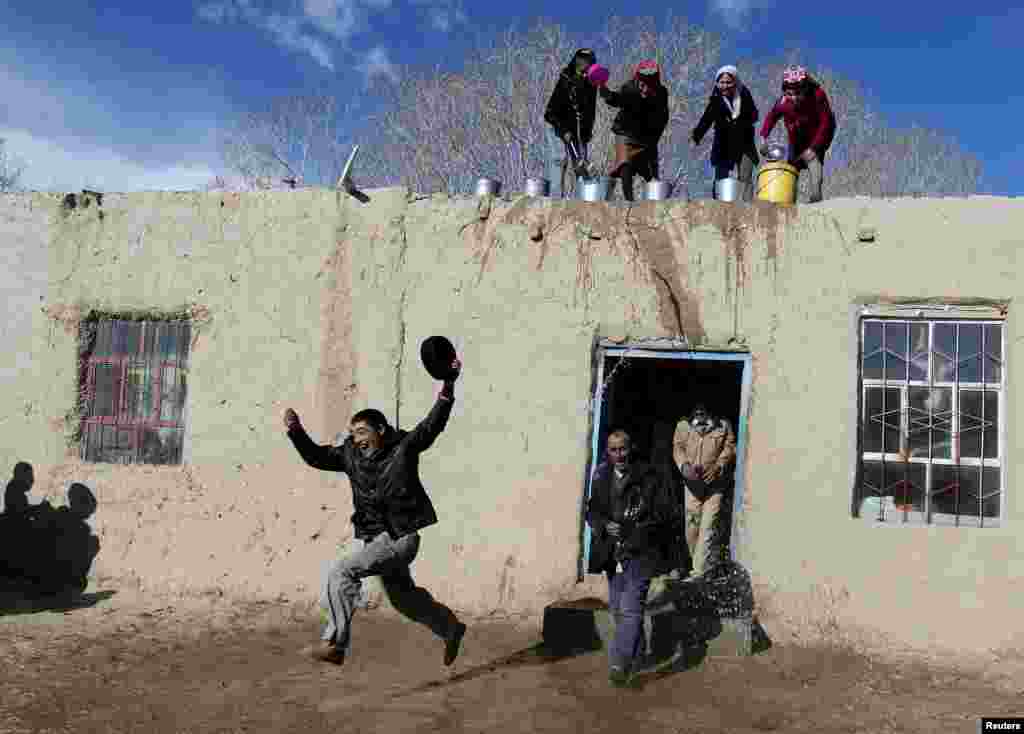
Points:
[[805, 109], [642, 118]]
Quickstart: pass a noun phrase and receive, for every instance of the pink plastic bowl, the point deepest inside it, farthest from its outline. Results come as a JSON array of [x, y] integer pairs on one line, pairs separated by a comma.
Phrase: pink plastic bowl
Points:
[[598, 75]]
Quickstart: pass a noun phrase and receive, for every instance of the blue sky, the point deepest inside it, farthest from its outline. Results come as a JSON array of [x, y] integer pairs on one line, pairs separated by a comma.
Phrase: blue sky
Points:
[[116, 97]]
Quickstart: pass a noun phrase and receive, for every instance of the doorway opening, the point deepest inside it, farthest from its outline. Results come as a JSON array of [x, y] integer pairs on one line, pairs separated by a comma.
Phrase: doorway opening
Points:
[[647, 391]]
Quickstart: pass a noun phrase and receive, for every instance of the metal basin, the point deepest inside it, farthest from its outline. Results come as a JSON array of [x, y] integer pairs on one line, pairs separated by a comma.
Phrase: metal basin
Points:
[[538, 187], [593, 189], [487, 187], [658, 190], [728, 189]]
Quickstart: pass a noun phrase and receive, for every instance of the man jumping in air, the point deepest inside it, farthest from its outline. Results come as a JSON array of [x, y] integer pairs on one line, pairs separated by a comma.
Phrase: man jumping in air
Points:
[[391, 507]]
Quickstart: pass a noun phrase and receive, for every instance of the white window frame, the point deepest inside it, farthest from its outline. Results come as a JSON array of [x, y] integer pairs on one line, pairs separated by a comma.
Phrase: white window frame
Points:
[[931, 315]]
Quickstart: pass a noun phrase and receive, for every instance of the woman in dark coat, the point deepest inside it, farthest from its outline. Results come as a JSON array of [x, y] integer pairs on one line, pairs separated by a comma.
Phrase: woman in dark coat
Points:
[[732, 111], [642, 118], [570, 113]]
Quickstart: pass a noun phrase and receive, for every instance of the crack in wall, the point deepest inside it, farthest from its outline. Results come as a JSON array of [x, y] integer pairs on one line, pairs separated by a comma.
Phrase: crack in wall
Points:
[[400, 360]]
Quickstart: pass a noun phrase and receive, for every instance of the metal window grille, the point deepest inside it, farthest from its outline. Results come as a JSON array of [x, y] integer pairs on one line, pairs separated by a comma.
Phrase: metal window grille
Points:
[[135, 386], [932, 413]]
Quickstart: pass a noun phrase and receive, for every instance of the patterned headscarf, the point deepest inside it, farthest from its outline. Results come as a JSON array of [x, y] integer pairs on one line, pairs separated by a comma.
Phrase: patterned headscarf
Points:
[[794, 76]]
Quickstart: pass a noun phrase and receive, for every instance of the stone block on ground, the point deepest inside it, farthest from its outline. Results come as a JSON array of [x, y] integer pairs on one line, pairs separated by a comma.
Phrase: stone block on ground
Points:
[[576, 625]]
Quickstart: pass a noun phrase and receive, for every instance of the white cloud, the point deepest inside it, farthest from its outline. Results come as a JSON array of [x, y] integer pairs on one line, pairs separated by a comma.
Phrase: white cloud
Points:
[[444, 14], [289, 34], [53, 166], [737, 13], [378, 64], [339, 20]]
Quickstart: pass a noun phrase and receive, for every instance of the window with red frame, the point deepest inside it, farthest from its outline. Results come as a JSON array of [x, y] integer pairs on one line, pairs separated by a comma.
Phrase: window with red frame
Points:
[[135, 376]]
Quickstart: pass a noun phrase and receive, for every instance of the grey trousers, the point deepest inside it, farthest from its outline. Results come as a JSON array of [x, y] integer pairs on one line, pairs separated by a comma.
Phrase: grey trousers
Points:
[[390, 560]]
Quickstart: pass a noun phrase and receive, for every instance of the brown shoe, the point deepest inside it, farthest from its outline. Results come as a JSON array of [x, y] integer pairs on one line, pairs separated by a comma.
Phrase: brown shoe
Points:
[[325, 652]]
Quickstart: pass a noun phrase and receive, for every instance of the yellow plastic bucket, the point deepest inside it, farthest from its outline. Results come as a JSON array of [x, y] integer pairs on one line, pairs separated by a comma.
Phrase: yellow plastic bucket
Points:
[[776, 182]]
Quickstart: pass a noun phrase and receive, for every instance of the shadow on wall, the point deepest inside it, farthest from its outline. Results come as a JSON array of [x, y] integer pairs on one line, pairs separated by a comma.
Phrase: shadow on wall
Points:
[[45, 551]]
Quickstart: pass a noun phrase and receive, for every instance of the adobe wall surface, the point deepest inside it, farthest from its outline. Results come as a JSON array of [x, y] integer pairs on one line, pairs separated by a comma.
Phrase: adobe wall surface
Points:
[[313, 300]]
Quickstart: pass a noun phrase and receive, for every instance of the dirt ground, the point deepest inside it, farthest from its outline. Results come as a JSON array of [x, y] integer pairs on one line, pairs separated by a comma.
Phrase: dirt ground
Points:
[[137, 663]]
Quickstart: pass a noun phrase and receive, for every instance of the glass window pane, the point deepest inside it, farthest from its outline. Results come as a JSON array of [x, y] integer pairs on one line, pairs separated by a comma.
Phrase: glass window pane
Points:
[[152, 447], [970, 491], [990, 434], [870, 490], [969, 353], [107, 390], [173, 394], [943, 488], [103, 339], [905, 483], [172, 443], [928, 421], [991, 491], [919, 352], [972, 424], [186, 338], [896, 351], [169, 338], [872, 350], [138, 393], [151, 332], [127, 337], [943, 352], [882, 407], [993, 353]]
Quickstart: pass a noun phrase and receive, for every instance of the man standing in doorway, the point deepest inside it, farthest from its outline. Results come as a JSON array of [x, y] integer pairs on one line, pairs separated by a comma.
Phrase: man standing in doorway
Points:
[[704, 449], [630, 514], [391, 507]]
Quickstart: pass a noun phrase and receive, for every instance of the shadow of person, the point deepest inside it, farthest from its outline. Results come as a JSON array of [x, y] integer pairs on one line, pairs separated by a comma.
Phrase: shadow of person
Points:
[[16, 522], [55, 548]]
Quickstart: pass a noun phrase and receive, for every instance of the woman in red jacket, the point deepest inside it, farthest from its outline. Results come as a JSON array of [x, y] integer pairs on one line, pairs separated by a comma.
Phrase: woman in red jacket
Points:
[[810, 124]]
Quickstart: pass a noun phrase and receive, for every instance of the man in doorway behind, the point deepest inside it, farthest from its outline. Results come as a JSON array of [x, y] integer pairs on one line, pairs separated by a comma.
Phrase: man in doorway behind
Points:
[[704, 449], [642, 118], [630, 513], [391, 507], [571, 112], [810, 124]]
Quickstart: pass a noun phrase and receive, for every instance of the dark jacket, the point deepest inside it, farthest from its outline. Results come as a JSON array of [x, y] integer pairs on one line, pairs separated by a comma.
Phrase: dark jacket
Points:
[[645, 510], [386, 490], [574, 99], [809, 125], [642, 119], [733, 138]]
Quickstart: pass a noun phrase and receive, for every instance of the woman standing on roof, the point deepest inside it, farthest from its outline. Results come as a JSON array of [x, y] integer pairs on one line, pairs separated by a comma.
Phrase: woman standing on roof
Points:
[[810, 124], [642, 118], [732, 111], [570, 113]]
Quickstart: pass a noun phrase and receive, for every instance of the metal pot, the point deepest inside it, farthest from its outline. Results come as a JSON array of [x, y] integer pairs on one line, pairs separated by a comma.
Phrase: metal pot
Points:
[[487, 187], [658, 190], [775, 152], [593, 189], [538, 187], [728, 189]]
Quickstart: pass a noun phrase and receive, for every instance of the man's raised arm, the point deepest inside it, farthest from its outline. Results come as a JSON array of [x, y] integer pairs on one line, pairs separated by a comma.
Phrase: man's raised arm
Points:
[[326, 457]]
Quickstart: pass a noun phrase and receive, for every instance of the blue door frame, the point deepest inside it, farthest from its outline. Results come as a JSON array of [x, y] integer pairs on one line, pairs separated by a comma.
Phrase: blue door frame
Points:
[[741, 433]]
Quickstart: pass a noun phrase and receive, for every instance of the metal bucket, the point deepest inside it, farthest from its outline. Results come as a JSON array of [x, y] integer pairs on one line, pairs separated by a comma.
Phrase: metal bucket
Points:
[[728, 189], [538, 187], [487, 187], [658, 190], [593, 189]]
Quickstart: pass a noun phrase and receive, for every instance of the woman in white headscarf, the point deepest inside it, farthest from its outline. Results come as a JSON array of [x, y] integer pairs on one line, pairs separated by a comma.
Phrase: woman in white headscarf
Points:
[[732, 111]]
